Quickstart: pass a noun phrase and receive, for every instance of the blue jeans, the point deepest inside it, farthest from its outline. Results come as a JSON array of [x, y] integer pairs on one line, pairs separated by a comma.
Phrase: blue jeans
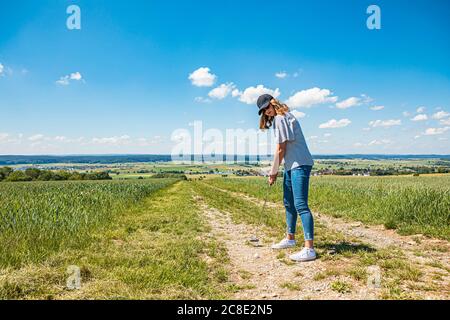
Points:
[[295, 198]]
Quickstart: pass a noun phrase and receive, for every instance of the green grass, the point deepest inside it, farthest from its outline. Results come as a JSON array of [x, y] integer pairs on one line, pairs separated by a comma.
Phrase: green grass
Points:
[[241, 210], [341, 286], [291, 286], [41, 218], [326, 274], [156, 249], [408, 204]]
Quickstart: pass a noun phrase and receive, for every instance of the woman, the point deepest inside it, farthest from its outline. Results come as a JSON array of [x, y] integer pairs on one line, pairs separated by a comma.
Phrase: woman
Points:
[[292, 148]]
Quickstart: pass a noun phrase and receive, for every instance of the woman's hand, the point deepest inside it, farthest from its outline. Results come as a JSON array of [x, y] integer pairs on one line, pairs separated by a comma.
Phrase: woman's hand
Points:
[[278, 157], [272, 179]]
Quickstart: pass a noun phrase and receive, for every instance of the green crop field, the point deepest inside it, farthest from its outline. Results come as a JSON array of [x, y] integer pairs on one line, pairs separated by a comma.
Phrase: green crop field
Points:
[[408, 204], [39, 218]]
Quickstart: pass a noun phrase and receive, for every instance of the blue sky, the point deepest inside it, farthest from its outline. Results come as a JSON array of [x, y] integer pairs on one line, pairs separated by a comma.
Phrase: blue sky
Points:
[[139, 70]]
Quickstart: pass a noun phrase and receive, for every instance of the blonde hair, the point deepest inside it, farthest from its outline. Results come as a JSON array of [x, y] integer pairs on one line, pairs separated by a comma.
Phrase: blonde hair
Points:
[[265, 122]]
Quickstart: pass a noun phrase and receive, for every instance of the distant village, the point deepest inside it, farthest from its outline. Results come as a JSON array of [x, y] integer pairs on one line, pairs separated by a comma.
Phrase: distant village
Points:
[[318, 172], [246, 167]]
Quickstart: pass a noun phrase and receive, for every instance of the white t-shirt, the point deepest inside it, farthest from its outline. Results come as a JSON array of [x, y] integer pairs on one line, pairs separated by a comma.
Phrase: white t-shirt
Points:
[[287, 128]]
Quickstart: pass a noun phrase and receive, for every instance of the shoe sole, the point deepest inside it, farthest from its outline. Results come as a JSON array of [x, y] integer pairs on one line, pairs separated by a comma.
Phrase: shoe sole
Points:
[[283, 247], [303, 260]]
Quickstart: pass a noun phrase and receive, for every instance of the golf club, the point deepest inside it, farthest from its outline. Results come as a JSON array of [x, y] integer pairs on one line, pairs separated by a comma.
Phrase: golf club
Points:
[[255, 239]]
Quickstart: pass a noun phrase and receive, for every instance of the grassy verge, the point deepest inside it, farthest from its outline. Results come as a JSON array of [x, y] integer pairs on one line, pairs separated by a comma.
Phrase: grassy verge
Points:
[[410, 205], [158, 249]]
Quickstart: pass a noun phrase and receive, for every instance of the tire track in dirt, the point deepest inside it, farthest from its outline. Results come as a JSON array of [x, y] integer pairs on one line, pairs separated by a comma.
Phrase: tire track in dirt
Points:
[[260, 273], [432, 256]]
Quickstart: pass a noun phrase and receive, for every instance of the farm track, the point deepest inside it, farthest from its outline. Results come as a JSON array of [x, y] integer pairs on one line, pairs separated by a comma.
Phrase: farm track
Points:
[[259, 273], [431, 256]]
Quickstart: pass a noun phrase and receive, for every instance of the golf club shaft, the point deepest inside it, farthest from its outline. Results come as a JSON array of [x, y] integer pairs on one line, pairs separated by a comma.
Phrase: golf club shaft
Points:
[[262, 210]]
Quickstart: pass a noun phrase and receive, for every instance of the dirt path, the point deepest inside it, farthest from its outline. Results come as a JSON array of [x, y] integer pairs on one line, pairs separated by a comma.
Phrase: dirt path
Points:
[[263, 273], [421, 248], [272, 277]]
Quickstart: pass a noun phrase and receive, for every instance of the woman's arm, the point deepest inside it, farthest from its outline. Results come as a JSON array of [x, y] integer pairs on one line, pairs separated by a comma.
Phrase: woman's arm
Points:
[[277, 159]]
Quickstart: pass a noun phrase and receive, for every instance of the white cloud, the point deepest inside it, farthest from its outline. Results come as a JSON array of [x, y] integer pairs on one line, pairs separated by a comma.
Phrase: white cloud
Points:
[[333, 123], [385, 123], [112, 140], [420, 110], [60, 138], [298, 114], [281, 75], [406, 114], [76, 76], [379, 142], [377, 108], [310, 97], [358, 144], [440, 115], [313, 137], [251, 94], [222, 91], [236, 93], [180, 135], [60, 144], [327, 135], [202, 100], [3, 136], [202, 77], [36, 137], [366, 98], [445, 121], [348, 103], [145, 142], [4, 70], [420, 117], [65, 80], [436, 131]]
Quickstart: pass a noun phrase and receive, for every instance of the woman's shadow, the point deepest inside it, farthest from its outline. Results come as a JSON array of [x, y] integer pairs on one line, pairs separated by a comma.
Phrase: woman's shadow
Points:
[[345, 247]]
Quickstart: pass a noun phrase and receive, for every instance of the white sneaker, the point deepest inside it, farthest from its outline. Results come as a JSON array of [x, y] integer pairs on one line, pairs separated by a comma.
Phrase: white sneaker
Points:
[[307, 254], [284, 244]]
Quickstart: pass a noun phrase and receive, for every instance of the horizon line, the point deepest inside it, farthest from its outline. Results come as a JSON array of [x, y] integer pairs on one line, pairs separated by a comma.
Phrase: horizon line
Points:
[[217, 155]]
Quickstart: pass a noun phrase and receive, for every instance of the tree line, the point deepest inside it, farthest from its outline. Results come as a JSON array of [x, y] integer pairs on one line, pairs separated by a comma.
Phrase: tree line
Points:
[[8, 174]]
